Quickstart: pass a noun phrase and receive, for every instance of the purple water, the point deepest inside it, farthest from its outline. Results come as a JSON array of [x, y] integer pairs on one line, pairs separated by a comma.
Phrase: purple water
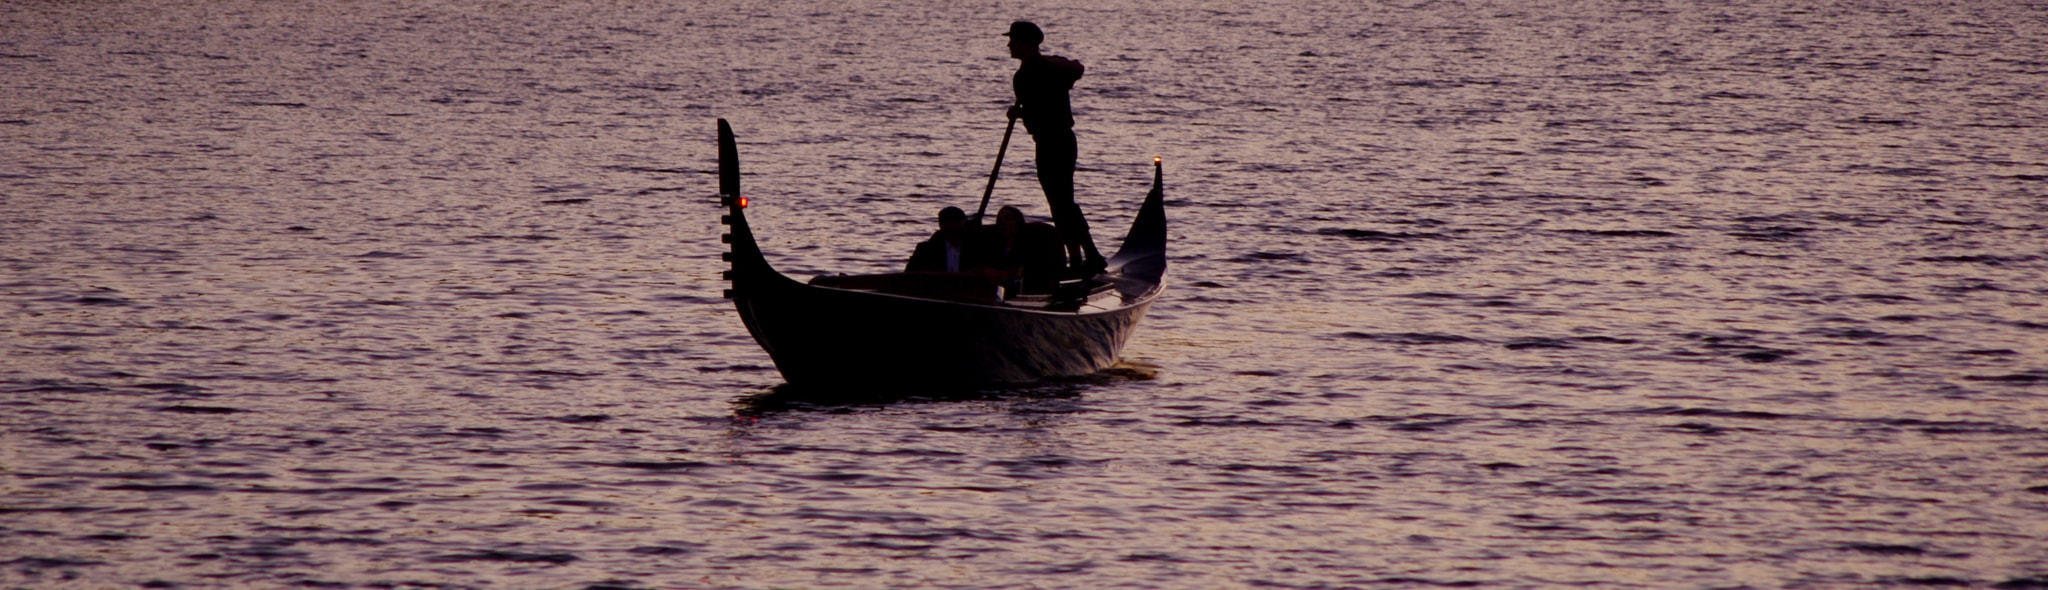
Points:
[[1537, 294]]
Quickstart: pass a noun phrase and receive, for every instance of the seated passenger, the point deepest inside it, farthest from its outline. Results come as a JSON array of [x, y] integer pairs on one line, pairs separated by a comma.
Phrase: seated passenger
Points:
[[946, 251], [1026, 256]]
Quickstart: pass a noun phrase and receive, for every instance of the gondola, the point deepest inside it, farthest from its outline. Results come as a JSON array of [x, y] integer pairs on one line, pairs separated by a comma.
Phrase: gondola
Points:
[[897, 329]]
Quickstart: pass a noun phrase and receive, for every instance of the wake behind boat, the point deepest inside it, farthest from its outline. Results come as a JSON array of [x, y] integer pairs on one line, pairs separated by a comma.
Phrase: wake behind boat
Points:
[[933, 328]]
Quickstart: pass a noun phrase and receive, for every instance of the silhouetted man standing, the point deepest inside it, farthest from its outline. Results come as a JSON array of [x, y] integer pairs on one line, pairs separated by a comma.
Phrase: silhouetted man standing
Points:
[[1042, 83]]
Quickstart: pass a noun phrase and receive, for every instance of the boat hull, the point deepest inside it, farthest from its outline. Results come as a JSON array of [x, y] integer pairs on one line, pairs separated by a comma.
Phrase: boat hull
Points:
[[823, 336]]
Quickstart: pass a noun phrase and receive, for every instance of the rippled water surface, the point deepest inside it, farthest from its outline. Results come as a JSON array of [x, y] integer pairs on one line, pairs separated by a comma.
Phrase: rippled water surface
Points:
[[1517, 294]]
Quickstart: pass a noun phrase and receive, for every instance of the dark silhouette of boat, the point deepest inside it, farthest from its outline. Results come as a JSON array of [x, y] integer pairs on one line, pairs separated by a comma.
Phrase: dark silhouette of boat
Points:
[[935, 329]]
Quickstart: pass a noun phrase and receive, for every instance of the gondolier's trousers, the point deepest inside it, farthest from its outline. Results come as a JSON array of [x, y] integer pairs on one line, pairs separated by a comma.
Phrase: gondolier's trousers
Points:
[[1057, 152]]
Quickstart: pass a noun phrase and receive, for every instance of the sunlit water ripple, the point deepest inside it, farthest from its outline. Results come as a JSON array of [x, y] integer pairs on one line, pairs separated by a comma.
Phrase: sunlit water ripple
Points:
[[1538, 294]]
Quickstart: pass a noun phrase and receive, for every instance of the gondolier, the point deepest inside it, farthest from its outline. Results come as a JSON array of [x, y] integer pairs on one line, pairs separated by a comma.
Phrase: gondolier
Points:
[[1041, 84]]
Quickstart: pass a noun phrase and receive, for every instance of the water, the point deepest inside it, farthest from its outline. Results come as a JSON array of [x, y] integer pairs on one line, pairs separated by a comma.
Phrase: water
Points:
[[1608, 294]]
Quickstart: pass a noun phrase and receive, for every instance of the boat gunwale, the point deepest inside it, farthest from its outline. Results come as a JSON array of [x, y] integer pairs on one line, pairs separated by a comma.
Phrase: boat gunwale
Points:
[[1151, 294]]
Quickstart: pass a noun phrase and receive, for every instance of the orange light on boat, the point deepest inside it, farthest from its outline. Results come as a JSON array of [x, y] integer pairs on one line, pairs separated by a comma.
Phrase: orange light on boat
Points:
[[742, 201], [1155, 159]]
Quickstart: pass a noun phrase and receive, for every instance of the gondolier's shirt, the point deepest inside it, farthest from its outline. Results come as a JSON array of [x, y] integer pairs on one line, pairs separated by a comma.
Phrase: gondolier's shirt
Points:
[[1042, 91]]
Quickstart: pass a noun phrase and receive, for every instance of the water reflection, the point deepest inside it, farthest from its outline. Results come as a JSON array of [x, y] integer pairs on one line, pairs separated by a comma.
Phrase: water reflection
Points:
[[789, 398]]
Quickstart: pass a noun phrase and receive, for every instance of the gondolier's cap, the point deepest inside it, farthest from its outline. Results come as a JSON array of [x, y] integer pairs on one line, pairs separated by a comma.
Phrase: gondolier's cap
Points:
[[1024, 30]]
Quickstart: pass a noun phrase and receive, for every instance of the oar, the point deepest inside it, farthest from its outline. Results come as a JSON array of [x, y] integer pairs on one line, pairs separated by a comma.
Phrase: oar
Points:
[[991, 190]]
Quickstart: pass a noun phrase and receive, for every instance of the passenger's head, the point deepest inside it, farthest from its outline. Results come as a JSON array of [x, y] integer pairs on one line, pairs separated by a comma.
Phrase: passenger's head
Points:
[[1009, 219], [952, 220]]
